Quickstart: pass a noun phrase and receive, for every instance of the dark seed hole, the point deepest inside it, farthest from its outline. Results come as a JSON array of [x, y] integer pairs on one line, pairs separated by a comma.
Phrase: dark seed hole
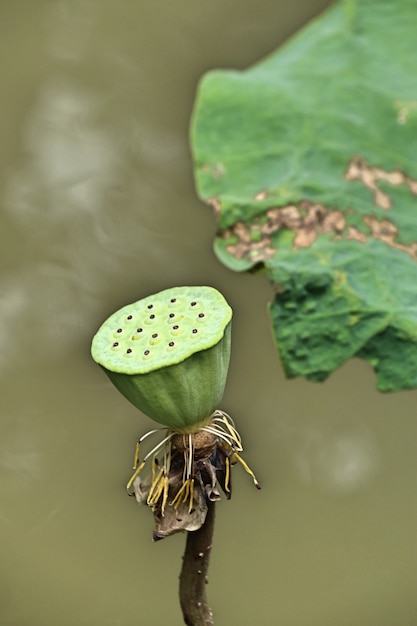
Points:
[[195, 330], [172, 315], [176, 327], [129, 317], [201, 315], [155, 335], [171, 343], [193, 303], [119, 330], [116, 343], [146, 352], [150, 306], [152, 316], [139, 330], [173, 299], [129, 350]]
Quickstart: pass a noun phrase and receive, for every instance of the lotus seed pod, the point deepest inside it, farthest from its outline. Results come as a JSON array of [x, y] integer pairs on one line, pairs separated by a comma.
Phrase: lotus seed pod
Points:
[[168, 354]]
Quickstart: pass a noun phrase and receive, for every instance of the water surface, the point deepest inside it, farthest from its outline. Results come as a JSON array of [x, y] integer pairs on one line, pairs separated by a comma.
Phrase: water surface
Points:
[[98, 209]]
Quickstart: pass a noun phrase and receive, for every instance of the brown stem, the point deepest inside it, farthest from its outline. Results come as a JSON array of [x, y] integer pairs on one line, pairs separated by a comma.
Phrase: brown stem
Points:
[[193, 579]]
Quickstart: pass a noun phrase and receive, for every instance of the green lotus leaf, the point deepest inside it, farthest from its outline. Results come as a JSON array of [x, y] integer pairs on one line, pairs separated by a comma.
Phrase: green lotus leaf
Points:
[[309, 160], [169, 354]]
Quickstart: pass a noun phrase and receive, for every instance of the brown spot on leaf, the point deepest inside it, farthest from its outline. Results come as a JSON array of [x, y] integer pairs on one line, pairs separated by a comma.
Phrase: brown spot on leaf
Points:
[[359, 170], [334, 221], [215, 203], [382, 199], [287, 217], [215, 169], [305, 237], [255, 251], [243, 232], [393, 178], [261, 251], [261, 195], [317, 220], [412, 185], [386, 231], [308, 221], [355, 234], [404, 107], [255, 241]]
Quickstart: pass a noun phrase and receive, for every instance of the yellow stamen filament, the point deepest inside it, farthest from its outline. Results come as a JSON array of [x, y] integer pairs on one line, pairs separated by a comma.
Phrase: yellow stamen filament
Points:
[[185, 492], [165, 494], [227, 475], [135, 475], [177, 500], [155, 488], [247, 468], [222, 427], [136, 458], [154, 466], [191, 495], [151, 453]]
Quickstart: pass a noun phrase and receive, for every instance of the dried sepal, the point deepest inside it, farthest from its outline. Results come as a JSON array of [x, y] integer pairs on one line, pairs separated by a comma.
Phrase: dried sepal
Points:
[[192, 466]]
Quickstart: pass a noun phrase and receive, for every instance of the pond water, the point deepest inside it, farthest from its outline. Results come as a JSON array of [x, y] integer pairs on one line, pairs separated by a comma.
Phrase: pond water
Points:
[[98, 209]]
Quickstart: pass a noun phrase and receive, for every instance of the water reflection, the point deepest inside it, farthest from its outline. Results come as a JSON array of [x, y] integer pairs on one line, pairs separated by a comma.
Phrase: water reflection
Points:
[[71, 23], [65, 199], [338, 462], [70, 161]]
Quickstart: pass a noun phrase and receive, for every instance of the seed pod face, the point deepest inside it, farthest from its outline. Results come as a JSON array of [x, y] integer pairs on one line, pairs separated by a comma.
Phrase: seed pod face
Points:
[[169, 353]]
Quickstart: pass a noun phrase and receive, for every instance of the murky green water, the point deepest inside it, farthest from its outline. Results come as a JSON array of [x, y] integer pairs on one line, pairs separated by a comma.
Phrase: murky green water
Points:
[[98, 209]]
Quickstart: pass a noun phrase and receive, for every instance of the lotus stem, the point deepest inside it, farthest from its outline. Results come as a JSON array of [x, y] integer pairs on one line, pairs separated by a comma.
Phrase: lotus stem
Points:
[[193, 577]]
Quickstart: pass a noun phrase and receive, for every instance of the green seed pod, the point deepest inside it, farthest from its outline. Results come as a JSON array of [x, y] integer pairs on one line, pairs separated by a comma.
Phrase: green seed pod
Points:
[[169, 354]]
